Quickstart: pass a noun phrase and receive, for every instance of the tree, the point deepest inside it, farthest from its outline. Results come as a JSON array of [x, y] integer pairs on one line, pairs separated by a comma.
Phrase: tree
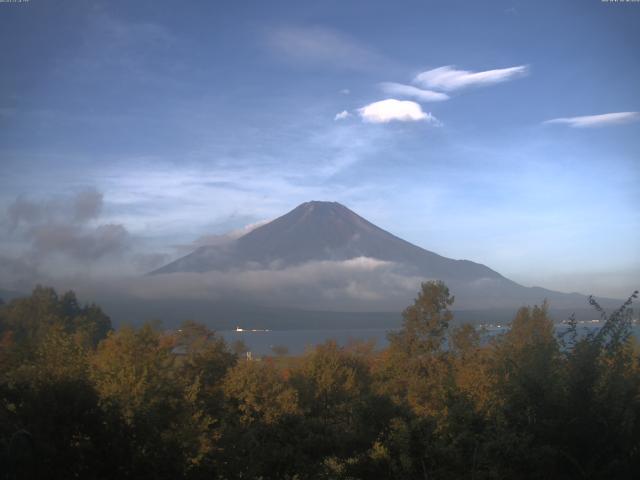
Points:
[[206, 358], [29, 319], [425, 322], [49, 397], [200, 368], [526, 397], [262, 430], [344, 415], [415, 367], [45, 392], [601, 416], [133, 374]]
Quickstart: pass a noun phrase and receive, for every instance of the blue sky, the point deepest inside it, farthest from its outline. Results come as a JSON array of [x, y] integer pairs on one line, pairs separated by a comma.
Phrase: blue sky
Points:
[[187, 119]]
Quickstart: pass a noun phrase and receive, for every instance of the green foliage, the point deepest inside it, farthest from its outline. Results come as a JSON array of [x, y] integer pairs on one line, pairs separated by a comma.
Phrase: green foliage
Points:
[[52, 425], [29, 319], [601, 435], [343, 412], [527, 397]]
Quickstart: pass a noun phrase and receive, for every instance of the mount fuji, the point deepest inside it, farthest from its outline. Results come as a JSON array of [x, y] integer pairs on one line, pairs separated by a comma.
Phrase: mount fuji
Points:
[[331, 234]]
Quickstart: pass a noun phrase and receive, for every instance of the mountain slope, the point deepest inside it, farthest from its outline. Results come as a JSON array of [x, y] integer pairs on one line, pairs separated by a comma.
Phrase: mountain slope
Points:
[[323, 231], [330, 232]]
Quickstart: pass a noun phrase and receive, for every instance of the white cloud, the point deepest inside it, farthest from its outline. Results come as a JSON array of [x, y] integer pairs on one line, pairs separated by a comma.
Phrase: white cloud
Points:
[[362, 282], [391, 109], [345, 91], [597, 120], [414, 92], [342, 115], [447, 78]]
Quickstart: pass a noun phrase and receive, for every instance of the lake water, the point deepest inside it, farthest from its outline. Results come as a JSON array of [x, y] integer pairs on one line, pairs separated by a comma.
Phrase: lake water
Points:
[[296, 341]]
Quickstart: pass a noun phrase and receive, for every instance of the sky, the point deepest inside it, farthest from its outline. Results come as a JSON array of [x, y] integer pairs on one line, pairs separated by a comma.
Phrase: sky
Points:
[[504, 132]]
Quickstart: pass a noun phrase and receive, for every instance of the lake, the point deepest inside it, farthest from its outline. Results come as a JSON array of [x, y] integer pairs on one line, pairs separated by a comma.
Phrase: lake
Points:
[[296, 341]]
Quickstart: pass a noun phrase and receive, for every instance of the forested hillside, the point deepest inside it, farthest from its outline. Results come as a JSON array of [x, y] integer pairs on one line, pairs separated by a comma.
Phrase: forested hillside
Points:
[[80, 400]]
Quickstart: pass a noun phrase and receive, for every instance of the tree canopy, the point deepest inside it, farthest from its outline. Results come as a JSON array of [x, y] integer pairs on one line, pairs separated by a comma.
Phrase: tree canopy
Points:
[[81, 400]]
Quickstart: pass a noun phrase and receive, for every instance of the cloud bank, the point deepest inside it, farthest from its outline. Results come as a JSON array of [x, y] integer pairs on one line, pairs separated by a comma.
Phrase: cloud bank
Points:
[[359, 283], [448, 78]]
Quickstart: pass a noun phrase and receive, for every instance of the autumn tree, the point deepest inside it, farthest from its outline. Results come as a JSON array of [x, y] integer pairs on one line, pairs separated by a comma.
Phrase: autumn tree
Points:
[[134, 373], [262, 430], [46, 395]]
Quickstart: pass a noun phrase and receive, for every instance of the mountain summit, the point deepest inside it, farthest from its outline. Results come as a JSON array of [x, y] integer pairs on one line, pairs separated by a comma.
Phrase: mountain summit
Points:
[[317, 231]]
